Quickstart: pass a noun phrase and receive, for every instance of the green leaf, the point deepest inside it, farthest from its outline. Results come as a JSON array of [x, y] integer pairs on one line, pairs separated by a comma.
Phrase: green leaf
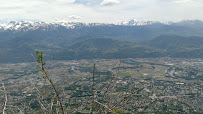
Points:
[[44, 77], [37, 52], [38, 61], [116, 111], [46, 72]]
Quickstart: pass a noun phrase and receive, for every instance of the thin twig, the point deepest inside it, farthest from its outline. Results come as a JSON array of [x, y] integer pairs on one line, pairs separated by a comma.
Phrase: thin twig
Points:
[[6, 98], [51, 104], [111, 81], [109, 109], [42, 106], [57, 109], [53, 86], [39, 100], [93, 90], [127, 97], [21, 112]]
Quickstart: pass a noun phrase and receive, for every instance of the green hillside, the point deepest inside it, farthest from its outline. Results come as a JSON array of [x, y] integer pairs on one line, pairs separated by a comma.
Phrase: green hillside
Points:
[[171, 42], [108, 48], [178, 46], [19, 49]]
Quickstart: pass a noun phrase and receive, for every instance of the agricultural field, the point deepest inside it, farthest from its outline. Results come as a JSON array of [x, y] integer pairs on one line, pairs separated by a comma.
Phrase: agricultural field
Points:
[[139, 85]]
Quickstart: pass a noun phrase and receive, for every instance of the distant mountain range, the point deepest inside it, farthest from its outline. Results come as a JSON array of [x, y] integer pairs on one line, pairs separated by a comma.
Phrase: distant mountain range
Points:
[[96, 40], [30, 25]]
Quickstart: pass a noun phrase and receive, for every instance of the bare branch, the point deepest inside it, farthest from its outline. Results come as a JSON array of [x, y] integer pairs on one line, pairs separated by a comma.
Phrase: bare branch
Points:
[[93, 90], [109, 109], [127, 97], [6, 98], [47, 77], [111, 81], [21, 112]]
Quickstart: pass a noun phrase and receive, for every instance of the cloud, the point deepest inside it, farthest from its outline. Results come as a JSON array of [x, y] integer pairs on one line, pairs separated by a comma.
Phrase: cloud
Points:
[[69, 1], [10, 7], [88, 10], [73, 17], [182, 1], [109, 2]]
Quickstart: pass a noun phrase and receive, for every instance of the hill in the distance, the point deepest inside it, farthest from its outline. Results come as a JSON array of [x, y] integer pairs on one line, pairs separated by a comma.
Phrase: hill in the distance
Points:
[[179, 46], [87, 41], [108, 48], [172, 42]]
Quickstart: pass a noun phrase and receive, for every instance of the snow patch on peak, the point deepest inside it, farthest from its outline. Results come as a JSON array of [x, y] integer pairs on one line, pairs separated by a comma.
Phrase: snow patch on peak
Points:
[[135, 22], [34, 25], [30, 25]]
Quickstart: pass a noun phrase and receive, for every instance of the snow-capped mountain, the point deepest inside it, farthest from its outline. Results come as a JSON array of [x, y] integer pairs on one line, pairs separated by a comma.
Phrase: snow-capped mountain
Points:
[[23, 25], [135, 22], [190, 23], [29, 25]]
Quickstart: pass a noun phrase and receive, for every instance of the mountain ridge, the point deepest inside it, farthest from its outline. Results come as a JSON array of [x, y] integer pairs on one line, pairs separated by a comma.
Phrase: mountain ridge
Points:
[[127, 41], [33, 25]]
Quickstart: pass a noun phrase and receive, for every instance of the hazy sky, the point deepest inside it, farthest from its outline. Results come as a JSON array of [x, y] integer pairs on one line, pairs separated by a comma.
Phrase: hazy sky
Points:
[[107, 11]]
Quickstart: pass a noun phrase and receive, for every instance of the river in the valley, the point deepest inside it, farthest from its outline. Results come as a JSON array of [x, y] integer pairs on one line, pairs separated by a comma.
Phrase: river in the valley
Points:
[[172, 72]]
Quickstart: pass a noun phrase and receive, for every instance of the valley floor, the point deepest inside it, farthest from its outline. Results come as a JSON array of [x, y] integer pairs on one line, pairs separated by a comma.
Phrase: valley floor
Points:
[[158, 85]]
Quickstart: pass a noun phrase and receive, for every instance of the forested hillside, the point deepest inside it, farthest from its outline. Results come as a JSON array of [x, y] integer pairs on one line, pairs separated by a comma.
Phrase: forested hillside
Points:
[[87, 41]]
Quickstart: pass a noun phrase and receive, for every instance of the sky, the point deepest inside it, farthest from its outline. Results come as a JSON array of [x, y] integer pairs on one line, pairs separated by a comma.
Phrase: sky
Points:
[[100, 11]]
